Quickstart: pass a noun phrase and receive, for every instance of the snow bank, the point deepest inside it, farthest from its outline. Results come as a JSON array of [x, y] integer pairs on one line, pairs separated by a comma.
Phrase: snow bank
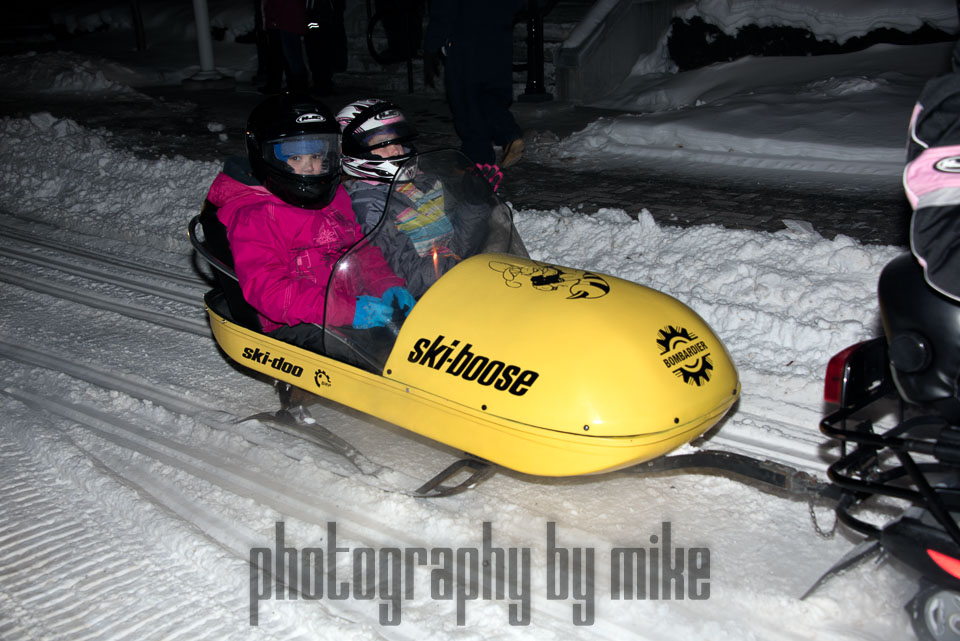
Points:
[[56, 171], [827, 19]]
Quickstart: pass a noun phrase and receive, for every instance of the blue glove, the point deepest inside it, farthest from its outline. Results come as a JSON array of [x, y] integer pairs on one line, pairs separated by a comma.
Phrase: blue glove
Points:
[[403, 298], [371, 312]]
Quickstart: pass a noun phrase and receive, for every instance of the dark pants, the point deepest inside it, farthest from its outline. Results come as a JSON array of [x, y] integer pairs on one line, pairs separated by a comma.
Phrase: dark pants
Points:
[[285, 56], [305, 335], [402, 22], [325, 43], [325, 55], [364, 348], [480, 92]]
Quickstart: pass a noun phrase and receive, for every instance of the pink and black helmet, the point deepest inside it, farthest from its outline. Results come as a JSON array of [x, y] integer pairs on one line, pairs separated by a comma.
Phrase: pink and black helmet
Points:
[[370, 124]]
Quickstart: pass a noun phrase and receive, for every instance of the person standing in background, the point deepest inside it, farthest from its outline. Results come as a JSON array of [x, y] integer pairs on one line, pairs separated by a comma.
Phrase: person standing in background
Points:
[[325, 42], [477, 40], [402, 22], [285, 23]]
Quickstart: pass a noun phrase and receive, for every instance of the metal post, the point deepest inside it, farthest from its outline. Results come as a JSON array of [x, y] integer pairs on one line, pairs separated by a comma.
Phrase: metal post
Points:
[[138, 31], [407, 19], [261, 39], [201, 16], [535, 90]]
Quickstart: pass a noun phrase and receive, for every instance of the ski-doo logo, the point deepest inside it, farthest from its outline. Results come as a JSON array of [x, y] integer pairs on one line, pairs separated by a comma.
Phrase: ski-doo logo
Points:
[[471, 367], [310, 117], [685, 355], [949, 165], [256, 355]]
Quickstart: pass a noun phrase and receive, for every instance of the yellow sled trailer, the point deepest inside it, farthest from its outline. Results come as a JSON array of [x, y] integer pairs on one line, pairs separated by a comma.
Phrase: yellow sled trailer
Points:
[[539, 368]]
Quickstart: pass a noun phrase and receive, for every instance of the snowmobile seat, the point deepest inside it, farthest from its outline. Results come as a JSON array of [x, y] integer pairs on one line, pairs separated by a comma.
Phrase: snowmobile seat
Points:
[[215, 241], [923, 332]]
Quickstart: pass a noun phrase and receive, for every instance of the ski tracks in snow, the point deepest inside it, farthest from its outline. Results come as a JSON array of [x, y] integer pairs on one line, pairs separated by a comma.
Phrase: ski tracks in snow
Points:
[[113, 452], [134, 493]]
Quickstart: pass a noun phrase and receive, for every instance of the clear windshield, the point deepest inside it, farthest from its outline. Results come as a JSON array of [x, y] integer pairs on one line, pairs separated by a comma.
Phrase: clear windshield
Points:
[[438, 211]]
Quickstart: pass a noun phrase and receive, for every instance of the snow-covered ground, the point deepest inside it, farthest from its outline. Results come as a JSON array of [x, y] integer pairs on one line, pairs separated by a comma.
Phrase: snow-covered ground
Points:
[[833, 114], [133, 503]]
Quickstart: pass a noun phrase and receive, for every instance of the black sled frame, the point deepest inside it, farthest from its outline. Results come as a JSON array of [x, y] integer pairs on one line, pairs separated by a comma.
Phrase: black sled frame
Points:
[[917, 460]]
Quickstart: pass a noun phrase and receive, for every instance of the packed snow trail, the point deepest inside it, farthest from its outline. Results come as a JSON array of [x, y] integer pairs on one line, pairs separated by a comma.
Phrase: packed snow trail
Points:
[[123, 420]]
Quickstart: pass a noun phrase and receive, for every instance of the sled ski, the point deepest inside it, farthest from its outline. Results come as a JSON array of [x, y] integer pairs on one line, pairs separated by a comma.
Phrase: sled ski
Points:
[[478, 471], [291, 421], [294, 418], [859, 553]]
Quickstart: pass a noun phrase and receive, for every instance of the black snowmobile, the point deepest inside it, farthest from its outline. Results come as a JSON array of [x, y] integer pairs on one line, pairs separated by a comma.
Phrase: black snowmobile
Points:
[[915, 457], [910, 460]]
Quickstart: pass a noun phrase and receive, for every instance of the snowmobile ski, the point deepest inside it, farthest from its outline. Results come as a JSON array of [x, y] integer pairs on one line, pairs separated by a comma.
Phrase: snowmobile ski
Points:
[[858, 554], [478, 471]]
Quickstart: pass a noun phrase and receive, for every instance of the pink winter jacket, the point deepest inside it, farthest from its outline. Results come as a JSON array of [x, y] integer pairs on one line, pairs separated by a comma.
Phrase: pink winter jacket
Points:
[[283, 255]]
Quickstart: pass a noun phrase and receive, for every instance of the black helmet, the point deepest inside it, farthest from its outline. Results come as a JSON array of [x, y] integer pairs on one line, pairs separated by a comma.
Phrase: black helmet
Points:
[[285, 129]]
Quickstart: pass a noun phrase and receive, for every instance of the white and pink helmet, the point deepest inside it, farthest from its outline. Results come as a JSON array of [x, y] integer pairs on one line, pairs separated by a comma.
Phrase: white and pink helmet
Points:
[[370, 124]]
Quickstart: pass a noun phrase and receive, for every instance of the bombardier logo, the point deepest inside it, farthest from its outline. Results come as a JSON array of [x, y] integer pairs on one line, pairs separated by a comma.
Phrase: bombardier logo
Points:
[[321, 378], [464, 363], [683, 353]]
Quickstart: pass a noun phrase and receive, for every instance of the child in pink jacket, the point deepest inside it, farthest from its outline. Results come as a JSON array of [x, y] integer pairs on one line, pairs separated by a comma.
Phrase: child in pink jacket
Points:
[[289, 223]]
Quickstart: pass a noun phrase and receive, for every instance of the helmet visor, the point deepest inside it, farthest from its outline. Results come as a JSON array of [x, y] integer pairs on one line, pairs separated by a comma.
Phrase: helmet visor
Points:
[[305, 155], [377, 135]]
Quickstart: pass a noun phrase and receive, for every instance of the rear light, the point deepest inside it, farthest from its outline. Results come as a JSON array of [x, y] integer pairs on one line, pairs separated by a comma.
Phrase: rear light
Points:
[[948, 564], [837, 373]]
